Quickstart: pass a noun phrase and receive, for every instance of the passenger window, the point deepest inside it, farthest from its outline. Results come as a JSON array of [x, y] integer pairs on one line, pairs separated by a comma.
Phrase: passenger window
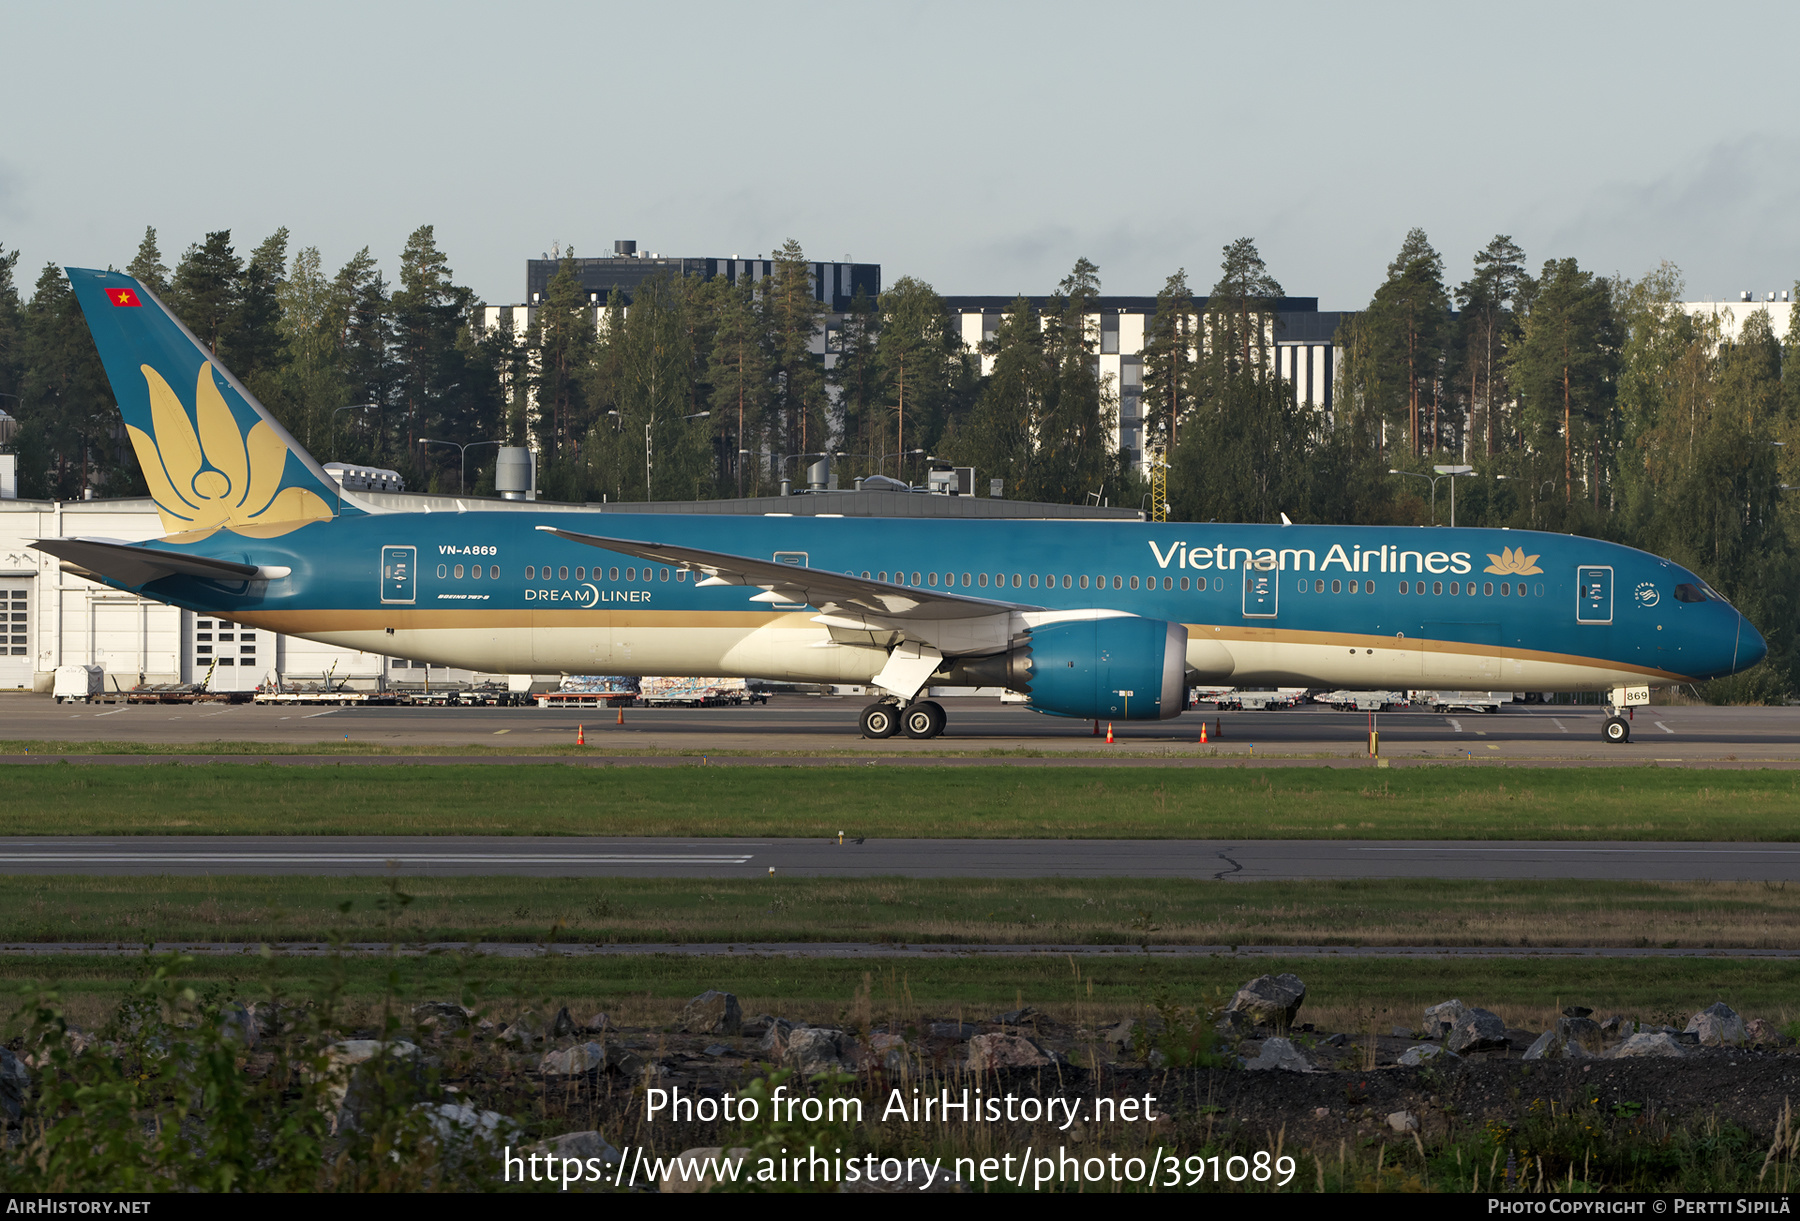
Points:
[[1337, 587], [1487, 589], [1134, 582], [966, 581], [931, 578], [1015, 582], [531, 572], [1353, 587], [680, 574], [613, 573], [1119, 582], [1437, 587], [493, 572], [981, 579], [1184, 584], [581, 574], [1505, 588], [1066, 582], [1033, 581], [440, 572], [1084, 580], [664, 575], [881, 576], [1405, 587], [1318, 587], [458, 570], [630, 573], [915, 580], [1168, 582]]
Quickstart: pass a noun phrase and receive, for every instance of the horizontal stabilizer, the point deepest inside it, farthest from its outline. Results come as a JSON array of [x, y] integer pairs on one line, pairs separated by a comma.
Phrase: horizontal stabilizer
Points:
[[810, 586], [134, 565]]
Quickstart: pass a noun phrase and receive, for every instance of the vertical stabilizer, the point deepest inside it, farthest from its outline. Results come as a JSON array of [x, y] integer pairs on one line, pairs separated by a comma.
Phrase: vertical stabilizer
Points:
[[213, 456]]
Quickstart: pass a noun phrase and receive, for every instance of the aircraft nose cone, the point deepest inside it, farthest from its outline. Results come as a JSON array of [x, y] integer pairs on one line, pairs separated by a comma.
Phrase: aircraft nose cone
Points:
[[1751, 649]]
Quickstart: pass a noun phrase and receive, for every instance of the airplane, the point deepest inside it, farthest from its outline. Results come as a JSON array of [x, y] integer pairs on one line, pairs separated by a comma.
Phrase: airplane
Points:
[[1112, 620]]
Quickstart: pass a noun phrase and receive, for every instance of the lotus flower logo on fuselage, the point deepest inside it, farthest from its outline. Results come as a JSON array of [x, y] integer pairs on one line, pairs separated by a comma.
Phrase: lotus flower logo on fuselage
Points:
[[207, 473], [1512, 562]]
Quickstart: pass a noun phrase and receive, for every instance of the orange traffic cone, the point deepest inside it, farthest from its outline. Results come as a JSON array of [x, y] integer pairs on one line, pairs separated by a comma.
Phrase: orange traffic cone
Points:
[[1096, 727], [580, 735], [1203, 733], [621, 714], [1219, 728], [1109, 736]]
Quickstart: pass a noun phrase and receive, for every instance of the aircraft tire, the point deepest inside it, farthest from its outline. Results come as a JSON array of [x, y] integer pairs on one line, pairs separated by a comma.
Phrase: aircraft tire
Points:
[[880, 721], [1616, 730], [924, 719]]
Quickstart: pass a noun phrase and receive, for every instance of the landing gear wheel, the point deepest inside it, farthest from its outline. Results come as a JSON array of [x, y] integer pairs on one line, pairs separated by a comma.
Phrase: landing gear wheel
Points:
[[924, 719], [880, 721], [1617, 730]]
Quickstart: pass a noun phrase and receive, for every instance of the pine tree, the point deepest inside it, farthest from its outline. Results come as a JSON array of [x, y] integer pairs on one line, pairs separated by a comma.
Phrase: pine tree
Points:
[[738, 373], [792, 316], [360, 317], [1402, 339], [563, 339], [861, 385], [1565, 365], [66, 400], [1489, 303], [206, 287], [147, 267], [1169, 346], [1006, 427], [913, 356], [1080, 412]]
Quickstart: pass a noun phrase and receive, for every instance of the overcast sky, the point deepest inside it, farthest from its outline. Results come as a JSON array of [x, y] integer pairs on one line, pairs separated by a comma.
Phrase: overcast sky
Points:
[[980, 147]]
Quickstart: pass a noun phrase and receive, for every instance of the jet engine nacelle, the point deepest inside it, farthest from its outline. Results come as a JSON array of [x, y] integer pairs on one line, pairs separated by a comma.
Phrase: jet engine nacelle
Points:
[[1085, 668]]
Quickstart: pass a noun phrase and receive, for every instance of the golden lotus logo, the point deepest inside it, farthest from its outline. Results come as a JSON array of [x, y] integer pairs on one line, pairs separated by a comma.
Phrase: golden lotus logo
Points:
[[1513, 563], [217, 476]]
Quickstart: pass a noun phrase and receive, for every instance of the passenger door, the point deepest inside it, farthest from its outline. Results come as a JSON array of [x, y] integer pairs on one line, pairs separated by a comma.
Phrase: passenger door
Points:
[[1262, 593], [1594, 594]]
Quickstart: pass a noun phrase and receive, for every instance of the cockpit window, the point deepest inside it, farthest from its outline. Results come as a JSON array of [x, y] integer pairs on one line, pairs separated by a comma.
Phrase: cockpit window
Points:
[[1690, 593]]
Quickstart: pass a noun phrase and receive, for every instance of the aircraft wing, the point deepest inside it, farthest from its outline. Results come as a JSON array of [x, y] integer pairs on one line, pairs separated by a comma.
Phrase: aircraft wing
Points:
[[133, 564], [829, 592]]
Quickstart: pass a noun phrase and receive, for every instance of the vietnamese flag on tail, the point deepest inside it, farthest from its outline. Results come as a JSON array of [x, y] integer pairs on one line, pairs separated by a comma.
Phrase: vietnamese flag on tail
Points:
[[123, 296]]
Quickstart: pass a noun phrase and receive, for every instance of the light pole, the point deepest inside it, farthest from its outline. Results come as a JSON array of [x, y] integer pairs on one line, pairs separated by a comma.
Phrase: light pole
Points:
[[1453, 472], [698, 415], [1432, 480], [462, 470]]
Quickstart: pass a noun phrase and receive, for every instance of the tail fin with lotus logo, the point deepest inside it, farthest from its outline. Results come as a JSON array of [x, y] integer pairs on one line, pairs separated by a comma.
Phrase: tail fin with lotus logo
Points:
[[215, 459]]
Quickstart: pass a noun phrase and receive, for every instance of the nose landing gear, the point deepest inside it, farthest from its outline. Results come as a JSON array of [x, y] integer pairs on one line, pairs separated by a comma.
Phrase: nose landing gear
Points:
[[1616, 730]]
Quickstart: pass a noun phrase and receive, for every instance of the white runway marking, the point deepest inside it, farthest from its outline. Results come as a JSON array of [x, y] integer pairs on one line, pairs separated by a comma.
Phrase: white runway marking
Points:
[[114, 712], [1663, 727], [1559, 725], [1454, 724], [309, 716]]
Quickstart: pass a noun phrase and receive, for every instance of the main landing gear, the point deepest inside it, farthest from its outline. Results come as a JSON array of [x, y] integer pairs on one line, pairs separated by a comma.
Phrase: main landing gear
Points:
[[923, 719]]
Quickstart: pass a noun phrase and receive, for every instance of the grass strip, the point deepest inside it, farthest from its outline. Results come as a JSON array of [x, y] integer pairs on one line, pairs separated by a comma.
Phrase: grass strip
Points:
[[1100, 911], [1004, 802], [1342, 994]]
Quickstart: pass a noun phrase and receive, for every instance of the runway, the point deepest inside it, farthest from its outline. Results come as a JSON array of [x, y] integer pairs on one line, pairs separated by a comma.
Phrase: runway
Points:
[[595, 857], [797, 729], [853, 950]]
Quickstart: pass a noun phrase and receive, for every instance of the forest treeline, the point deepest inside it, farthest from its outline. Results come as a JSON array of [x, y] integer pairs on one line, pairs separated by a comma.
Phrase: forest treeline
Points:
[[1588, 404]]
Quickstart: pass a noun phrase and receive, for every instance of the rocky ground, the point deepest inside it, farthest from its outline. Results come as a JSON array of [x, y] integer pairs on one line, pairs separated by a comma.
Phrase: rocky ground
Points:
[[1256, 1074]]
